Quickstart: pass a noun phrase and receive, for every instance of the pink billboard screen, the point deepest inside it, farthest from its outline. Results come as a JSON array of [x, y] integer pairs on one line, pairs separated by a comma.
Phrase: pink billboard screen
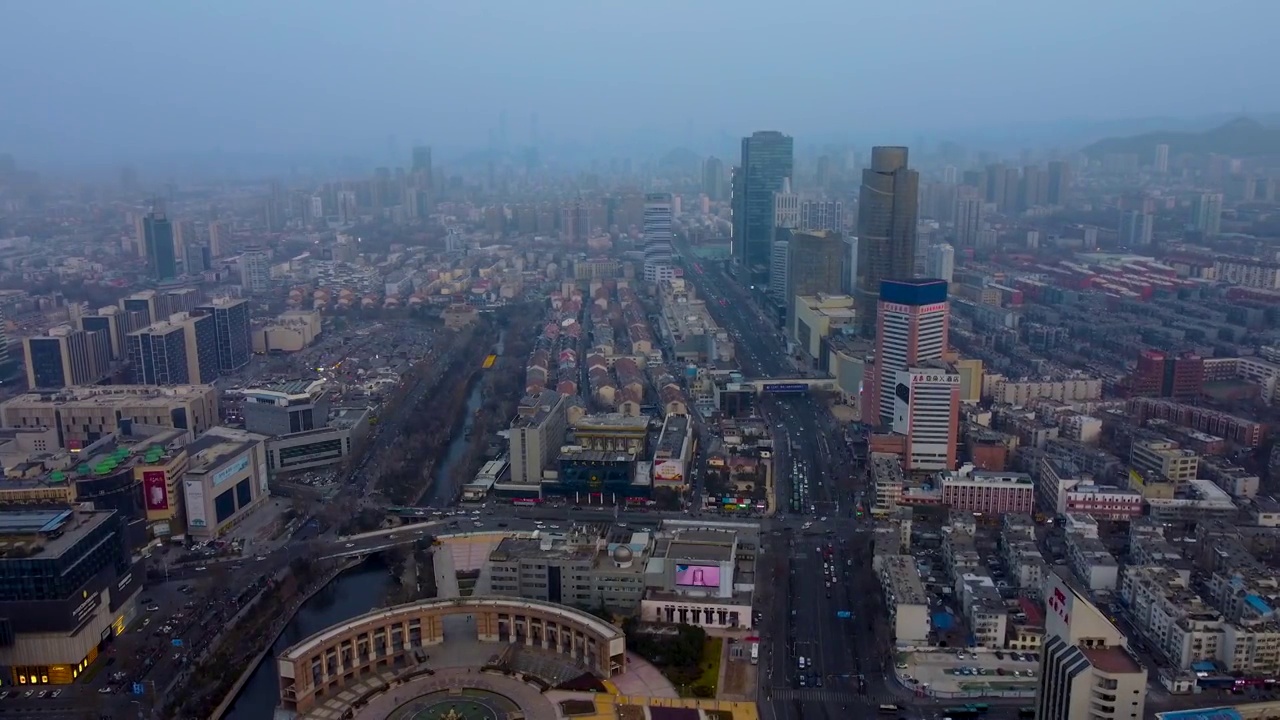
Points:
[[698, 575]]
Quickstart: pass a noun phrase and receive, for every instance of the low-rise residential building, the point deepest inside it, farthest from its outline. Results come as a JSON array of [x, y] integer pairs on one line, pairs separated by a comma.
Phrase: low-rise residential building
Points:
[[905, 597], [1091, 562], [980, 491]]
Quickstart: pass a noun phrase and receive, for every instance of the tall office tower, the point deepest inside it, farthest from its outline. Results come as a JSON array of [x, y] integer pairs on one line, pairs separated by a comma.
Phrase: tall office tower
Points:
[[786, 207], [182, 350], [581, 223], [1161, 164], [1059, 182], [949, 174], [66, 356], [217, 239], [713, 179], [994, 191], [940, 262], [822, 215], [314, 209], [421, 162], [1206, 216], [5, 359], [657, 237], [162, 260], [815, 261], [911, 331], [255, 270], [1034, 183], [887, 215], [969, 217], [231, 325], [1087, 671], [778, 257], [767, 161], [349, 209], [1136, 228], [926, 412], [109, 320], [1012, 184], [184, 236], [850, 271]]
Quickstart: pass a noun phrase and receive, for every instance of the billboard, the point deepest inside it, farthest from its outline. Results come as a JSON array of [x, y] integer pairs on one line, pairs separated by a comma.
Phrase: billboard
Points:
[[669, 471], [786, 388], [155, 486], [194, 492], [698, 576], [231, 470]]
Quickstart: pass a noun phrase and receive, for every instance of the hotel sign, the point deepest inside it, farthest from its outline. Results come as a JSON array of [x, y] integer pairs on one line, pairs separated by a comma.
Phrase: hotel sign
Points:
[[912, 309], [938, 378], [1060, 604]]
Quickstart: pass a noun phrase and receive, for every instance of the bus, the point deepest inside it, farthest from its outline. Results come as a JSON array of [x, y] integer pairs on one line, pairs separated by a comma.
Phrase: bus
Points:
[[524, 502], [755, 653], [888, 708]]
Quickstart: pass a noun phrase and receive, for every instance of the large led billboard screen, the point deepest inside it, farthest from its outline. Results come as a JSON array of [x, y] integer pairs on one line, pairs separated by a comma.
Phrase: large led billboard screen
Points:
[[698, 575]]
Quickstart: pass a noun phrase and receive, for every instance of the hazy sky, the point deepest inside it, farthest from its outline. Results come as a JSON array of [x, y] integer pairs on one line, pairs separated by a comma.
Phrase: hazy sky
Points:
[[114, 78]]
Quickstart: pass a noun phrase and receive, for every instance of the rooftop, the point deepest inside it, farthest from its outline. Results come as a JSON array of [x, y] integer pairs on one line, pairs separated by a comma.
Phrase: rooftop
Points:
[[50, 532], [1114, 660], [113, 394], [675, 431], [611, 421]]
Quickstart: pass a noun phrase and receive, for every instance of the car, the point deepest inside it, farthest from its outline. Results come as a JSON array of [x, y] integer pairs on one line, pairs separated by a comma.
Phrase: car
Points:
[[105, 690], [55, 693], [202, 568], [153, 608], [260, 558], [28, 693], [349, 545], [555, 527], [900, 666], [42, 693]]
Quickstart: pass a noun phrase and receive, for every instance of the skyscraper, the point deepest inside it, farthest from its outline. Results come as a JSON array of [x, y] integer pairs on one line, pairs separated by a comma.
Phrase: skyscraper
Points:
[[161, 253], [778, 258], [822, 215], [255, 270], [657, 237], [1136, 228], [786, 207], [1086, 668], [231, 325], [969, 216], [766, 163], [1161, 164], [887, 215], [713, 179], [1059, 182], [911, 330], [1206, 215], [941, 261], [179, 351], [815, 261]]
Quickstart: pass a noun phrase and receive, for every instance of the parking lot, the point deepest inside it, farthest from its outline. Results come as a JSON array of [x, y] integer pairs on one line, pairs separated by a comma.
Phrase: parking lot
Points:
[[984, 671]]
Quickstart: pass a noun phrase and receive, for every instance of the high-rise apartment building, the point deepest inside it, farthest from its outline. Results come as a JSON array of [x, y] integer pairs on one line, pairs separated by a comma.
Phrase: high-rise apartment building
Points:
[[537, 432], [1059, 182], [66, 356], [110, 320], [158, 244], [969, 218], [657, 237], [182, 350], [786, 207], [911, 330], [767, 161], [1136, 229], [1161, 164], [1206, 215], [1086, 669], [714, 182], [994, 190], [1012, 185], [234, 336], [815, 262], [255, 270], [217, 239], [940, 262], [887, 215]]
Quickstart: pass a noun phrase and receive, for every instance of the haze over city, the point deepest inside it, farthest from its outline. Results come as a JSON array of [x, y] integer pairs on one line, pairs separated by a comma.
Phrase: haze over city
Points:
[[138, 81]]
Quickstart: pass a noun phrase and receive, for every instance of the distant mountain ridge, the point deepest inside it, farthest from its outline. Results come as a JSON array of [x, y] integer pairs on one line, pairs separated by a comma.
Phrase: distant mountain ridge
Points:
[[1241, 137]]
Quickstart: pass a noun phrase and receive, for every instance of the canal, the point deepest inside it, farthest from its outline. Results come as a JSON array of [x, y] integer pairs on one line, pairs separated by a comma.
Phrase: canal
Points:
[[353, 593]]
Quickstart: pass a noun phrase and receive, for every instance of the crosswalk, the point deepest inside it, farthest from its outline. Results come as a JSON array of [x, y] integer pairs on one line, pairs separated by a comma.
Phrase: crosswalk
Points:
[[834, 695]]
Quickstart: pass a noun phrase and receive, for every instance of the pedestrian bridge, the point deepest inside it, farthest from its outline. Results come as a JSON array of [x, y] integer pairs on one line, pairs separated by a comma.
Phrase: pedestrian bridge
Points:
[[791, 385], [379, 540]]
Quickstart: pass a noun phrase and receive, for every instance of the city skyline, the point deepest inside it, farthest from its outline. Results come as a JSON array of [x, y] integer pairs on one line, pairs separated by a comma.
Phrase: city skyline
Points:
[[63, 106]]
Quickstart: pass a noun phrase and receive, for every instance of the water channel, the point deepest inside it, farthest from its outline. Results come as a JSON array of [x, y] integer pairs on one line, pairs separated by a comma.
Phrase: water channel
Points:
[[353, 593]]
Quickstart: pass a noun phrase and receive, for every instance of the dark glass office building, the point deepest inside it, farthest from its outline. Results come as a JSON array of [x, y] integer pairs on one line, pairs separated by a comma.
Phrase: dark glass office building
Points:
[[234, 341], [162, 260], [67, 586], [590, 473], [158, 355], [887, 215], [45, 363], [767, 159]]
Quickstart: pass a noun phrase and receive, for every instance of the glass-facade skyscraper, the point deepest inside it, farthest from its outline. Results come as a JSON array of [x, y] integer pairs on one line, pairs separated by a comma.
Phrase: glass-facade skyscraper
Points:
[[767, 159], [887, 215], [162, 258]]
